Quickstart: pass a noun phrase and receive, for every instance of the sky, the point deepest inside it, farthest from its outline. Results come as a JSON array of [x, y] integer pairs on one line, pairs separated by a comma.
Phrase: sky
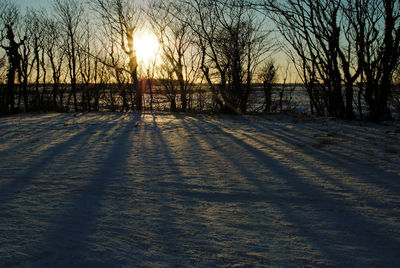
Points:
[[32, 3]]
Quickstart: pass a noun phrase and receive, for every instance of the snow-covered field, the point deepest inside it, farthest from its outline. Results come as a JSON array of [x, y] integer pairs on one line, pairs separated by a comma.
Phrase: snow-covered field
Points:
[[161, 190]]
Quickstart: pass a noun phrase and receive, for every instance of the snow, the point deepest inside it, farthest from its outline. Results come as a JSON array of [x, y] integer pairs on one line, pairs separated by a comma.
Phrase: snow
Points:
[[160, 189]]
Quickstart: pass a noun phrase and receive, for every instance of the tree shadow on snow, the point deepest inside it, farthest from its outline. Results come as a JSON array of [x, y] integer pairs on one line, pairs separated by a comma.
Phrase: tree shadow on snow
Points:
[[326, 222]]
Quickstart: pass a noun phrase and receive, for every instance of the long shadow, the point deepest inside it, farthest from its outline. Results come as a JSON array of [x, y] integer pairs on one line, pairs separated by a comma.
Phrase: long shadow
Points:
[[295, 134], [72, 233], [346, 163], [53, 193], [20, 138], [29, 175], [223, 198], [363, 183], [335, 184], [363, 139], [177, 226], [353, 191], [236, 233], [40, 141], [168, 226], [315, 198], [333, 160], [310, 157], [37, 137]]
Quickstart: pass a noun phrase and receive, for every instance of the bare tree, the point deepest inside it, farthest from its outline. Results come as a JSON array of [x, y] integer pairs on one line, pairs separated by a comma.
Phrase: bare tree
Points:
[[168, 82], [27, 66], [340, 42], [34, 31], [3, 63], [9, 18], [231, 39], [148, 76], [176, 41], [87, 67], [381, 57], [268, 76], [113, 59], [123, 18], [312, 29], [53, 44], [70, 14], [99, 77]]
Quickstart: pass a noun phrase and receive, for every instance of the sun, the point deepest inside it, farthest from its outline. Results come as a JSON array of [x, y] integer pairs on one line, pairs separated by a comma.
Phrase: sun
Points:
[[147, 47]]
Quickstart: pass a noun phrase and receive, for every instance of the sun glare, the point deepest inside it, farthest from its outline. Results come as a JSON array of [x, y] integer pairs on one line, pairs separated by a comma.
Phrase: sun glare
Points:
[[146, 46]]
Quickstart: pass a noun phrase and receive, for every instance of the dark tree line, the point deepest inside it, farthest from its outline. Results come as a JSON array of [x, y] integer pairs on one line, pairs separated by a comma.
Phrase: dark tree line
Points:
[[337, 44], [82, 57]]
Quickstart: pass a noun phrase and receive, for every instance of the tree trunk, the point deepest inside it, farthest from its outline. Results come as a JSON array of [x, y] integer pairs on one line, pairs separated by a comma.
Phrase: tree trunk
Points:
[[349, 101]]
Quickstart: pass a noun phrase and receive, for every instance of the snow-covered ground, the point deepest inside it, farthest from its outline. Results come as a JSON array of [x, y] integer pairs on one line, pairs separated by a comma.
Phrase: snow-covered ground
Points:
[[156, 190]]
